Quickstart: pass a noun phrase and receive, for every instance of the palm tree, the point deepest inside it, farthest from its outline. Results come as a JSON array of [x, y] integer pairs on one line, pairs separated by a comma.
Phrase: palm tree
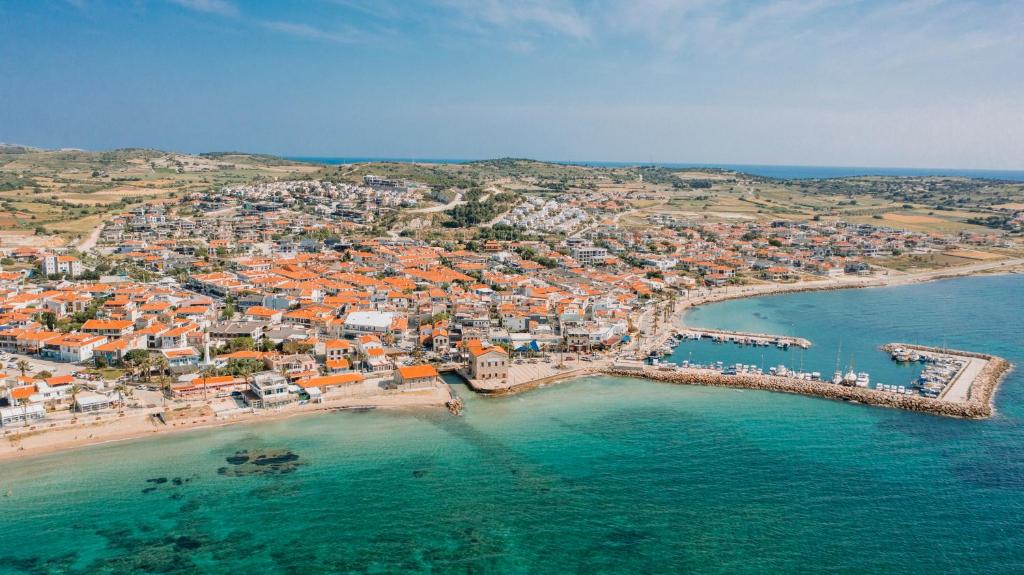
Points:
[[130, 366], [23, 366], [207, 372], [146, 366], [23, 402], [75, 388], [122, 390], [162, 365]]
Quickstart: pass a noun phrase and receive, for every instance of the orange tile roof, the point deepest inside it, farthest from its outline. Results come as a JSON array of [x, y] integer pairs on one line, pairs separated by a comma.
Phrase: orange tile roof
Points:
[[417, 371]]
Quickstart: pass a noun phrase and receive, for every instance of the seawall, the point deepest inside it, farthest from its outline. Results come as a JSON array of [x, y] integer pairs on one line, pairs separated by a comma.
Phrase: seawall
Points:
[[978, 407]]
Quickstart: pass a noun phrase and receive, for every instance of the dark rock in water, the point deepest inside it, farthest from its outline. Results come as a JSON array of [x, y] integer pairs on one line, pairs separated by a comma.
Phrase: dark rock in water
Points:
[[261, 462], [157, 480], [149, 490], [176, 496], [417, 473], [275, 458], [239, 457], [177, 481]]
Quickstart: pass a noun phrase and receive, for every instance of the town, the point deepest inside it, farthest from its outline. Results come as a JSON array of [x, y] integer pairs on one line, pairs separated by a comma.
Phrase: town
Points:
[[260, 297]]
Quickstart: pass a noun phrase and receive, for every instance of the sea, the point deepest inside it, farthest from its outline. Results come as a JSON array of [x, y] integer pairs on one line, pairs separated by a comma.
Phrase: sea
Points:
[[596, 475], [764, 170]]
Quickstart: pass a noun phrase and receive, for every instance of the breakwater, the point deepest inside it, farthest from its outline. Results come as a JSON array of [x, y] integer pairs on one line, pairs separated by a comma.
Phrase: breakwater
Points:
[[746, 338], [983, 387], [977, 407]]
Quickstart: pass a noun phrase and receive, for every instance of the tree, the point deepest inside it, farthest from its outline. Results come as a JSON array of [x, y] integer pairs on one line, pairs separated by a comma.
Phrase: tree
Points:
[[162, 365], [244, 343], [49, 319], [136, 355], [23, 366]]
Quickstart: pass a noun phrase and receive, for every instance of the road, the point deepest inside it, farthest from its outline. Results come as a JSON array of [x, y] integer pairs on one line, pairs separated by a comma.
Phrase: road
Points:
[[456, 201], [89, 242]]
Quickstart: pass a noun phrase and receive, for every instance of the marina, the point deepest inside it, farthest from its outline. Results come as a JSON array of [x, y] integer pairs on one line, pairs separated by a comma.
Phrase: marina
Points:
[[965, 393]]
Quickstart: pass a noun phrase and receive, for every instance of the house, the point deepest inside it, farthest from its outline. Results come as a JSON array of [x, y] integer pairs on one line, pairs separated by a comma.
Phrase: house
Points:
[[109, 328], [74, 348], [413, 377], [487, 362], [287, 363], [268, 389], [316, 386], [181, 359], [337, 349]]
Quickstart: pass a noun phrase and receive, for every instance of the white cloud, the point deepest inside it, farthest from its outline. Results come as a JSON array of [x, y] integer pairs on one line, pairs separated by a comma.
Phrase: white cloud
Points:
[[530, 17], [221, 7], [311, 32]]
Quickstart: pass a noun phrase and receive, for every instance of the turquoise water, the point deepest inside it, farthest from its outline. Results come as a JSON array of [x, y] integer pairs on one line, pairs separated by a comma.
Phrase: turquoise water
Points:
[[603, 475]]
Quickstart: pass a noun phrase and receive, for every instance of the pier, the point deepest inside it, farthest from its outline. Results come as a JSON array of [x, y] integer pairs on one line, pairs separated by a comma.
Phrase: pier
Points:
[[745, 338]]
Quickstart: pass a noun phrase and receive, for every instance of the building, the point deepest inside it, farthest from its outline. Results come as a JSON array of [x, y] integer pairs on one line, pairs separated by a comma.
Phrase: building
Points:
[[588, 255], [487, 362], [368, 322], [61, 265], [87, 402], [413, 377], [268, 389], [109, 328], [21, 415]]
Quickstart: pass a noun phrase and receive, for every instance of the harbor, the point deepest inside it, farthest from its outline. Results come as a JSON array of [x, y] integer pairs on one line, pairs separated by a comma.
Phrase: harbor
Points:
[[968, 393]]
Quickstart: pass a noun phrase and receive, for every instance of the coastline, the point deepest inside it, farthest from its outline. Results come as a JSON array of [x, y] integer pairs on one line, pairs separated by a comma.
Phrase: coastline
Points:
[[139, 425]]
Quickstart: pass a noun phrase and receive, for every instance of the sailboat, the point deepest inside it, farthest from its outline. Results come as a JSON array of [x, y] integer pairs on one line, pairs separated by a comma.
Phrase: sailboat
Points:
[[837, 377]]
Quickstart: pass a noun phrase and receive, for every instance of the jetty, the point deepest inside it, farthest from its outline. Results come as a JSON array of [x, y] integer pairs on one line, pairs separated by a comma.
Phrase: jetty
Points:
[[745, 338]]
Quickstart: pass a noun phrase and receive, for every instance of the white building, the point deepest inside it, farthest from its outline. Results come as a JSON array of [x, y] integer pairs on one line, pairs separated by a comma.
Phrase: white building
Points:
[[587, 255], [368, 322], [21, 414], [61, 265]]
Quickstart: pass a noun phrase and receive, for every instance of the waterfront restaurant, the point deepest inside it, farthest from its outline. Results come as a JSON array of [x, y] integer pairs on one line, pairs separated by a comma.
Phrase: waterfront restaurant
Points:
[[91, 402], [22, 414]]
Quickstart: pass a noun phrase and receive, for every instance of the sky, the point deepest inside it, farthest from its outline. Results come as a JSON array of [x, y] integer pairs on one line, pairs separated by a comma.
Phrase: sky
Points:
[[902, 83]]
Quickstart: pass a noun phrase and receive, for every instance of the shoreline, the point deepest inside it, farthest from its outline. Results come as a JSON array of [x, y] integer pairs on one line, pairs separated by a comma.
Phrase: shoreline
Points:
[[137, 426], [37, 442]]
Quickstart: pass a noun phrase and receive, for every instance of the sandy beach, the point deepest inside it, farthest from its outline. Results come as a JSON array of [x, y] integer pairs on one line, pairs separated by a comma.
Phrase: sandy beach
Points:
[[140, 423]]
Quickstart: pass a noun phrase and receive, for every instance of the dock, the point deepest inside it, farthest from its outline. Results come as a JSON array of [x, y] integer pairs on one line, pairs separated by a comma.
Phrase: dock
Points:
[[745, 338]]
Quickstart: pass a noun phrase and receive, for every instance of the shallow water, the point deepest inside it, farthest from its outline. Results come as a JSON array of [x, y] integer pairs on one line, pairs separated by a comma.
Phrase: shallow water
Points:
[[604, 475]]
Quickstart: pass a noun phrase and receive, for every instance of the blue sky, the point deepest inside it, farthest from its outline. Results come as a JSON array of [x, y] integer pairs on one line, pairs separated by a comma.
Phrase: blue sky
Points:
[[934, 83]]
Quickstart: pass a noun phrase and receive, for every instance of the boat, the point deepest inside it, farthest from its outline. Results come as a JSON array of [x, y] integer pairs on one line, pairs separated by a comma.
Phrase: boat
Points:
[[850, 378], [863, 379], [837, 377]]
